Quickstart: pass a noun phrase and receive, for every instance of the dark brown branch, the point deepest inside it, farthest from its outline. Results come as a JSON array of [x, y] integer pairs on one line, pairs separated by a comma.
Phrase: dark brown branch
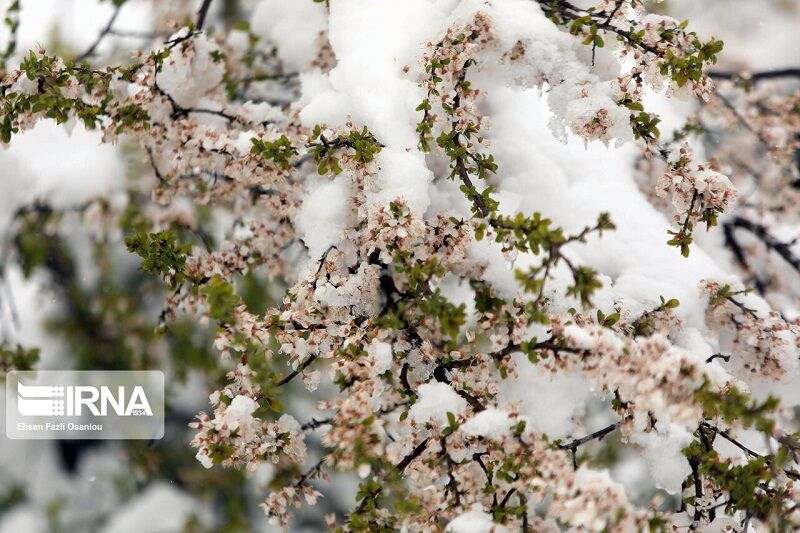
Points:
[[548, 344], [452, 484], [743, 308], [792, 474], [730, 439], [570, 12], [698, 488], [473, 402], [154, 165], [477, 458], [314, 423], [599, 434], [726, 358], [295, 373], [310, 473], [523, 501], [760, 231], [201, 14], [404, 380], [178, 111], [508, 495], [408, 459], [741, 258], [440, 375]]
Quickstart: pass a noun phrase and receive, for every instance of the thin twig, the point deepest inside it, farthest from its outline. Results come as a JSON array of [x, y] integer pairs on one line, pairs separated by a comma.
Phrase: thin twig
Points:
[[760, 231], [106, 30], [743, 75], [599, 434], [294, 373], [408, 459], [726, 358]]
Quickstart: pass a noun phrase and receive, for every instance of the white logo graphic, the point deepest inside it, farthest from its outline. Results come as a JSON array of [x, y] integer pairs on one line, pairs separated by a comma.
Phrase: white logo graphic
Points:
[[44, 400], [38, 400], [85, 404]]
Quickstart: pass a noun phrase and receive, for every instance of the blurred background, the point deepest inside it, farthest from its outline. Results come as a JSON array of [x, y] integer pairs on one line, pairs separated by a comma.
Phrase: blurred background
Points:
[[73, 298]]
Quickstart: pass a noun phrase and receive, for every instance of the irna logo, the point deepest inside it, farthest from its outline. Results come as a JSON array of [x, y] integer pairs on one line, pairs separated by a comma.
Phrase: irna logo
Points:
[[43, 400], [85, 404]]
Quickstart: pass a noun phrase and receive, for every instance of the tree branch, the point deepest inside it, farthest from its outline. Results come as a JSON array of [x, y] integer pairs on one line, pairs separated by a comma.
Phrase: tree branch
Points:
[[408, 459], [599, 434], [106, 30], [760, 231], [743, 75], [201, 14], [295, 373], [726, 358]]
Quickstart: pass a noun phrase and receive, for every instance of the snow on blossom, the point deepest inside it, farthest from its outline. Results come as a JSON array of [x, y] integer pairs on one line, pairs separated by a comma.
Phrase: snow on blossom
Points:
[[595, 115], [239, 415], [367, 83], [325, 213], [296, 26], [476, 520], [381, 354], [399, 296], [592, 501], [491, 423], [23, 84], [311, 380], [288, 424], [359, 291], [434, 401], [193, 62], [663, 452], [204, 458]]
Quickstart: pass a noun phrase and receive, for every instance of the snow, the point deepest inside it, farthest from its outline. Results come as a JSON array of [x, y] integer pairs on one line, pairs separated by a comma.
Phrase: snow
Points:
[[240, 407], [491, 423], [60, 172], [663, 454], [160, 507], [239, 416], [381, 354], [551, 402], [295, 25], [261, 112], [23, 518], [196, 65], [373, 41], [572, 184], [325, 213], [476, 520], [434, 401]]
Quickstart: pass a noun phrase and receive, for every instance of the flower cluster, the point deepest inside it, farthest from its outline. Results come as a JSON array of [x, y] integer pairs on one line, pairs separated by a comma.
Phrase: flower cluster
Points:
[[761, 345], [234, 437], [699, 195]]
